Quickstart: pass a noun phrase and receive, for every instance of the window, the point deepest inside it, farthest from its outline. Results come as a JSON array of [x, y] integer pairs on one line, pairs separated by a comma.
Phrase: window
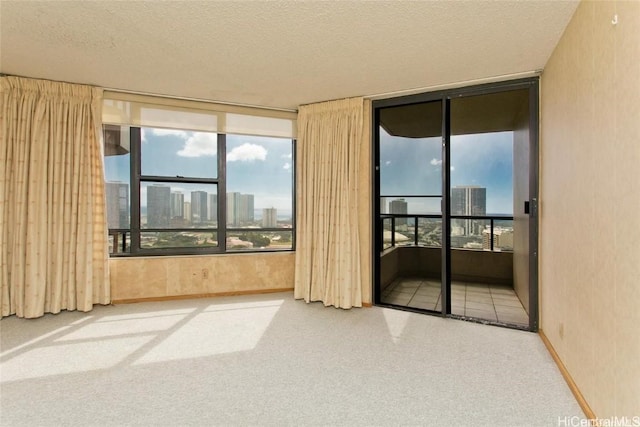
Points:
[[259, 193], [185, 191]]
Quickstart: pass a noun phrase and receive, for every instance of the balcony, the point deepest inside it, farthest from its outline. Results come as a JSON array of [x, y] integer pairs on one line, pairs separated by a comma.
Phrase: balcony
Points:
[[481, 250], [481, 265]]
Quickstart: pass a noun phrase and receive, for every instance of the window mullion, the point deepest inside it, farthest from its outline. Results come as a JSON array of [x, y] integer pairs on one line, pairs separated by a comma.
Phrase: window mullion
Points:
[[186, 180], [294, 171], [136, 138], [222, 192]]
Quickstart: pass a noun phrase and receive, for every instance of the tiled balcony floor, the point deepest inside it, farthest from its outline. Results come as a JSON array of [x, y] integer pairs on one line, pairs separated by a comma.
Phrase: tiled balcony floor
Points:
[[497, 303]]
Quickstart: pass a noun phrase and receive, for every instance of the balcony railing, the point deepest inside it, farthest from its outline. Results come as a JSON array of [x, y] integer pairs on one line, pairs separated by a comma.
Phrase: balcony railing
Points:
[[477, 232], [119, 240]]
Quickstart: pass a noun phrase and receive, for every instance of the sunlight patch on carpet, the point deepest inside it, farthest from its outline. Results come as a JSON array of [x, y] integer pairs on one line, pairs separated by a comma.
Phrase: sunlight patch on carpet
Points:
[[63, 358], [396, 322], [218, 329]]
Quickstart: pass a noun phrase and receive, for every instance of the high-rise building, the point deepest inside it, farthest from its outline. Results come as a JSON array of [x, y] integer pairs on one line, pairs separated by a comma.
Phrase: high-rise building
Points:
[[502, 239], [246, 212], [117, 194], [383, 205], [177, 205], [269, 217], [158, 206], [239, 209], [469, 200], [233, 200], [212, 208], [199, 211], [187, 210], [399, 206]]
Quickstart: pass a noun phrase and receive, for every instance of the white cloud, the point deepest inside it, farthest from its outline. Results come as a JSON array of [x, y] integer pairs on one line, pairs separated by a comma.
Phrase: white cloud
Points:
[[452, 168], [143, 135], [247, 153], [388, 162], [162, 132], [436, 162], [200, 144], [286, 156], [286, 166]]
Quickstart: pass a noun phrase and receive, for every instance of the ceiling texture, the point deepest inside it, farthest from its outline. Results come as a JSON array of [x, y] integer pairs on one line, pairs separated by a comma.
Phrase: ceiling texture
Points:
[[278, 54]]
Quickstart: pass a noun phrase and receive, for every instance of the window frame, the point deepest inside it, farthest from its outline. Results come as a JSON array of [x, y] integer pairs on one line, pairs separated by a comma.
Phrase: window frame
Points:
[[137, 179]]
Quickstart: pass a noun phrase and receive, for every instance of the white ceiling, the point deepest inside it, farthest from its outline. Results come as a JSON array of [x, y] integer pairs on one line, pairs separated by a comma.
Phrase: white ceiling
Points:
[[277, 54]]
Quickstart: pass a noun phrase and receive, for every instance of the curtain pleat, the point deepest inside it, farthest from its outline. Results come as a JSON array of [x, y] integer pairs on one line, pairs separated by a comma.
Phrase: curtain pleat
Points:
[[328, 266], [54, 253]]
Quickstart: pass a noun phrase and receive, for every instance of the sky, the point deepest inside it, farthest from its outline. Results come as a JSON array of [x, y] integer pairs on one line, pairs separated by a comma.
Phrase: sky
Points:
[[263, 166], [413, 166], [255, 165]]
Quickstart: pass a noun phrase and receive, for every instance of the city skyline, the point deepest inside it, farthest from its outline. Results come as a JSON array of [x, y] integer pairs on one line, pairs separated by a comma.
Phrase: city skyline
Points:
[[413, 167], [261, 166], [404, 167], [476, 234], [166, 208]]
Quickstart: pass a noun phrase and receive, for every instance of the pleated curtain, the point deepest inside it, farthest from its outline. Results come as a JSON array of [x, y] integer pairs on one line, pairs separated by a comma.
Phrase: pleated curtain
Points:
[[53, 234], [328, 260]]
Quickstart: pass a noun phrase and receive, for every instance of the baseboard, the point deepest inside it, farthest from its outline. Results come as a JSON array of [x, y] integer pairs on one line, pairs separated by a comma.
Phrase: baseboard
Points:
[[567, 377], [367, 304], [195, 296]]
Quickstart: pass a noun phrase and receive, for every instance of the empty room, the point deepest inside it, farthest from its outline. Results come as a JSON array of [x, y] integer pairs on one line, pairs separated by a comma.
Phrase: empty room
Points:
[[319, 213]]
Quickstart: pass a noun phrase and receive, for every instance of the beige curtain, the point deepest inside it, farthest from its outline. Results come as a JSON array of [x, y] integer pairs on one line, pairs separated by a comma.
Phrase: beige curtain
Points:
[[328, 203], [52, 211]]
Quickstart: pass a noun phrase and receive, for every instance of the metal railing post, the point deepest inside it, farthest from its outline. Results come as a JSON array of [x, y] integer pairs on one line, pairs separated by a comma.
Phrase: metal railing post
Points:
[[491, 237], [393, 231]]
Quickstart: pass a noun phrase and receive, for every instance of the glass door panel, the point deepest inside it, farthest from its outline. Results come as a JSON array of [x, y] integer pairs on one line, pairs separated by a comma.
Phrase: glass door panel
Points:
[[487, 133], [410, 220]]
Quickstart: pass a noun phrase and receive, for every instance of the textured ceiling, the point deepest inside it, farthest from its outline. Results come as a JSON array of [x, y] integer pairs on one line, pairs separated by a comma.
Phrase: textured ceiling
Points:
[[277, 54]]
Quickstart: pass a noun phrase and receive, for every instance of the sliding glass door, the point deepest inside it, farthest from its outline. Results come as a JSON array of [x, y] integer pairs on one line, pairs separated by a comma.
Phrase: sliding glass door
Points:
[[455, 220]]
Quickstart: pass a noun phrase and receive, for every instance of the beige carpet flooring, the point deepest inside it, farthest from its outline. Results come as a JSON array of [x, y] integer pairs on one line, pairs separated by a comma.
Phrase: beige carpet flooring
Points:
[[271, 360]]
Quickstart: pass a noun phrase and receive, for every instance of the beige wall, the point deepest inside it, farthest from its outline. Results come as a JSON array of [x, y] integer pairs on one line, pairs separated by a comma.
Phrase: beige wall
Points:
[[590, 211], [168, 276]]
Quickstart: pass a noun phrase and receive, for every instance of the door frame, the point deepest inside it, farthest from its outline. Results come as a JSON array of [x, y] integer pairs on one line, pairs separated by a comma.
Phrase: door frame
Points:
[[445, 96]]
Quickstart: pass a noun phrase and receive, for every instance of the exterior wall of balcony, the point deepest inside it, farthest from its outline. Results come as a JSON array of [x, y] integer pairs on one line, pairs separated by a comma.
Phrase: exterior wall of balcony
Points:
[[482, 266], [389, 267], [520, 219], [466, 265], [590, 199]]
